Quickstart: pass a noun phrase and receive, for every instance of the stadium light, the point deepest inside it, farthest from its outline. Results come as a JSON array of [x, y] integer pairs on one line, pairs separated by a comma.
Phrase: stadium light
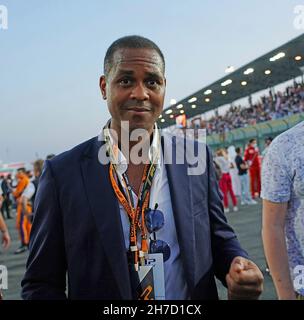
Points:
[[229, 69], [162, 120], [193, 106], [179, 106], [171, 116], [243, 83], [207, 99], [267, 71], [192, 99], [209, 91], [172, 102], [160, 116], [298, 58], [277, 56], [224, 92], [168, 111], [226, 83], [248, 71], [181, 111]]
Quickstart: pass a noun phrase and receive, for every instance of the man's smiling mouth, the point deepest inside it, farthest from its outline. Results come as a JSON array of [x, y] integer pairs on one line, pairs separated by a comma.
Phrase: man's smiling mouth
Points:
[[139, 109]]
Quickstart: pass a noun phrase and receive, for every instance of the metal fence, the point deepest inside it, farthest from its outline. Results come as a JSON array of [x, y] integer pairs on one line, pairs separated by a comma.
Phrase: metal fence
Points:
[[240, 137]]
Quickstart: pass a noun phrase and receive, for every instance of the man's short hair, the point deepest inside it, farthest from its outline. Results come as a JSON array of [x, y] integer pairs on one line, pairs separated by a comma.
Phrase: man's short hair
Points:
[[130, 42], [251, 140], [237, 149], [50, 156]]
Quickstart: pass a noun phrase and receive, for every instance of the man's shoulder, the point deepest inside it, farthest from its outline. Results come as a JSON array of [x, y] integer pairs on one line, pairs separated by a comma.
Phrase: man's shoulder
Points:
[[183, 150], [289, 142], [182, 139], [292, 135]]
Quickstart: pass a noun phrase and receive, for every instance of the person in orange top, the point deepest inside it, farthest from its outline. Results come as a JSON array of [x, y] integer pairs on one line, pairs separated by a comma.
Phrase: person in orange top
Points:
[[251, 156], [23, 223], [29, 194]]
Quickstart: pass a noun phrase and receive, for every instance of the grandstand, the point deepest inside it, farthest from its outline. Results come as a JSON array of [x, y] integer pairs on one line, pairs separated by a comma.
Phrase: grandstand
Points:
[[273, 115]]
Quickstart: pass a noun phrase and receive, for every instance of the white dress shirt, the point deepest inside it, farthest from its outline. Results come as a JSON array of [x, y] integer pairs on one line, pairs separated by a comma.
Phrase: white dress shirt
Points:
[[175, 281]]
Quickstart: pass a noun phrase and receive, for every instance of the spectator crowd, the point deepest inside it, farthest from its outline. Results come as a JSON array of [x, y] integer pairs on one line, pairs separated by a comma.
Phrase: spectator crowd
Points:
[[270, 107]]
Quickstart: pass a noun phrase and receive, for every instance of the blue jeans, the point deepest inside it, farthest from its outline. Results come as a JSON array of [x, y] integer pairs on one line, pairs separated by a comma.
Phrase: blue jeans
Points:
[[245, 195]]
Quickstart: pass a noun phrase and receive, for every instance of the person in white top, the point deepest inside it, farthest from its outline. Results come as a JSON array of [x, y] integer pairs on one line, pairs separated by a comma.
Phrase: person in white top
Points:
[[225, 182], [236, 182]]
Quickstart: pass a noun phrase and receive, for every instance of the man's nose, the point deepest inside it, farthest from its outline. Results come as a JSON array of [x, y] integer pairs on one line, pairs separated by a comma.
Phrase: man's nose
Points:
[[140, 92]]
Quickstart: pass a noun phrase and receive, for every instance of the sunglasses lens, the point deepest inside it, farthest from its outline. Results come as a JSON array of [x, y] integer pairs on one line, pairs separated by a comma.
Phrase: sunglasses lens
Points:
[[160, 246], [154, 220]]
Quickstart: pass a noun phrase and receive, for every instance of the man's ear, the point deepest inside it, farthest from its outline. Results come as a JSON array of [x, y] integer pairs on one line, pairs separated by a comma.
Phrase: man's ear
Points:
[[102, 86]]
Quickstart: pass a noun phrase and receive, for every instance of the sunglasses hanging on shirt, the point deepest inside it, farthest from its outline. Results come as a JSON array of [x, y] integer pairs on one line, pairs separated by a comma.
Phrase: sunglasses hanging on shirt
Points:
[[155, 220]]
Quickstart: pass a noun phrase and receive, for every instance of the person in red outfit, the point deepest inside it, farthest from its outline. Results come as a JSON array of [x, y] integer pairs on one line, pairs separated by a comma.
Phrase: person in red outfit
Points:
[[252, 157]]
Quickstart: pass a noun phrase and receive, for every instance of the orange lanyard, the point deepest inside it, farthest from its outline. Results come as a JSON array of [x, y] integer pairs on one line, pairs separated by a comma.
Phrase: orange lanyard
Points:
[[135, 212]]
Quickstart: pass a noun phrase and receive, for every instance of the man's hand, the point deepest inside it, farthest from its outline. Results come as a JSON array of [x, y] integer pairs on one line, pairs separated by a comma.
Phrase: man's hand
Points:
[[244, 280], [6, 240]]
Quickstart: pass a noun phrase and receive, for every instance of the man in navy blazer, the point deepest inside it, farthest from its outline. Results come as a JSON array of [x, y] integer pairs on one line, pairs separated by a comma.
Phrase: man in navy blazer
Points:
[[77, 234]]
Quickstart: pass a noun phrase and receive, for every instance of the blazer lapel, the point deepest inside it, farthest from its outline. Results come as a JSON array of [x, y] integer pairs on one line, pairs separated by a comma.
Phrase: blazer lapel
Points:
[[181, 196], [105, 209]]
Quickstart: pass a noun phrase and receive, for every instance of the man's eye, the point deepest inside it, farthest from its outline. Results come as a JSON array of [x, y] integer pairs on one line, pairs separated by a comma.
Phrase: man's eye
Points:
[[152, 83], [125, 82]]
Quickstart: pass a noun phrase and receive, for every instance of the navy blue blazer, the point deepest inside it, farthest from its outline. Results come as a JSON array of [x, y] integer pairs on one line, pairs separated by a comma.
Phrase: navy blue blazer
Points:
[[77, 230]]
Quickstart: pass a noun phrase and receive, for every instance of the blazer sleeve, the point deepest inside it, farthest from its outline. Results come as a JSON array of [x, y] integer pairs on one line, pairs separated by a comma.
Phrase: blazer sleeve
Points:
[[45, 276], [225, 245]]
